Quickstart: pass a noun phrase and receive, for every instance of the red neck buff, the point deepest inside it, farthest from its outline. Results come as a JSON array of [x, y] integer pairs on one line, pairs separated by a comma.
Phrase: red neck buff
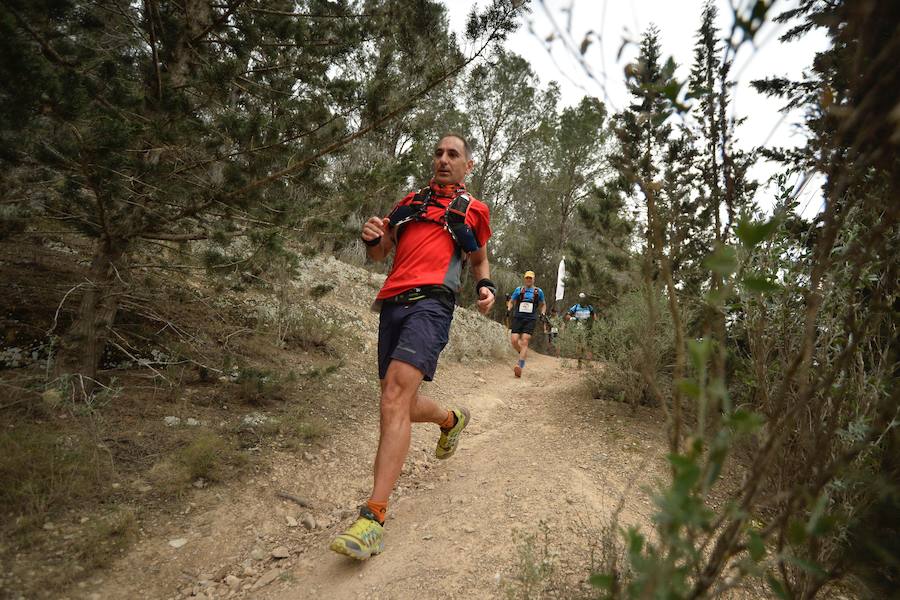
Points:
[[450, 190]]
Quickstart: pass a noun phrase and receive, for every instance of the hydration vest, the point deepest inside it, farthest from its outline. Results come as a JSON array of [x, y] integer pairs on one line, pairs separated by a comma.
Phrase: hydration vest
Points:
[[581, 312], [531, 305], [453, 220]]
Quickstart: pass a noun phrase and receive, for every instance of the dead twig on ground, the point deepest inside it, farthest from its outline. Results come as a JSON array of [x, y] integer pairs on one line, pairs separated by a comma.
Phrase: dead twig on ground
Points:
[[296, 499]]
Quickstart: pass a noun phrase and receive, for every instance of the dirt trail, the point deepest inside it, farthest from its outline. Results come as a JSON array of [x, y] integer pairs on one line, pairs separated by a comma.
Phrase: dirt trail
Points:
[[533, 452], [537, 450]]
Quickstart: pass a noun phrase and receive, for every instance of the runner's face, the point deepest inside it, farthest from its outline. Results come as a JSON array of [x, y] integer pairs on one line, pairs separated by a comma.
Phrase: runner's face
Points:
[[529, 281], [450, 163]]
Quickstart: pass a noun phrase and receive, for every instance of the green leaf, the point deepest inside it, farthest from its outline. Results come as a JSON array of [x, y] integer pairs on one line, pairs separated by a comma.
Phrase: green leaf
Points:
[[796, 533], [810, 567], [699, 351], [602, 580], [745, 421], [759, 284], [671, 90], [687, 472], [817, 525], [752, 232], [635, 541], [680, 461], [777, 587], [717, 297], [722, 261], [689, 388], [756, 546]]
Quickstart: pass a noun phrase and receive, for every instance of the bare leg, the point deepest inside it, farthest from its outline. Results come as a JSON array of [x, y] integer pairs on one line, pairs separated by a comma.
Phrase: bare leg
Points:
[[398, 397], [424, 409], [514, 339], [523, 346]]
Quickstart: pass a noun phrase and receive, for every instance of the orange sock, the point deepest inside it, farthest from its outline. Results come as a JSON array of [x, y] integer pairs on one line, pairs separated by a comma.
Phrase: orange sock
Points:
[[449, 422], [379, 509]]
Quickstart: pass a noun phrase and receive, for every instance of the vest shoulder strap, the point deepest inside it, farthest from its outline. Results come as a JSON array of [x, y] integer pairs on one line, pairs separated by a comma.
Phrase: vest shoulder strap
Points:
[[534, 294], [458, 207]]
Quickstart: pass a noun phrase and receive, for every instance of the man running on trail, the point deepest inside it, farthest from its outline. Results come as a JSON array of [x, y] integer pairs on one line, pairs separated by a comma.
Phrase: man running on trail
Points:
[[584, 315], [551, 328], [529, 303], [581, 312], [432, 233]]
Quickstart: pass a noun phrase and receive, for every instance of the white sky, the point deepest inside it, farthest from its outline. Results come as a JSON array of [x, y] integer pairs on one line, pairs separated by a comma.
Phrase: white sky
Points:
[[677, 21]]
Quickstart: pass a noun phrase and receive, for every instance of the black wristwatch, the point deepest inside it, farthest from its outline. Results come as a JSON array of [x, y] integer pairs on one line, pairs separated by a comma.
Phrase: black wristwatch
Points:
[[373, 242], [486, 283]]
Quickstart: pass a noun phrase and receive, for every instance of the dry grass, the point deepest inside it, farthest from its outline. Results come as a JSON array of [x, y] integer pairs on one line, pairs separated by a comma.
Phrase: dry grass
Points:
[[105, 539], [74, 460], [298, 429], [43, 471], [536, 573], [207, 455]]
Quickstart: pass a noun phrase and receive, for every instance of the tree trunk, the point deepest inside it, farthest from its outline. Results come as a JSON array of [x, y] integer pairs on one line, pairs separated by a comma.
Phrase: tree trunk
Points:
[[81, 348]]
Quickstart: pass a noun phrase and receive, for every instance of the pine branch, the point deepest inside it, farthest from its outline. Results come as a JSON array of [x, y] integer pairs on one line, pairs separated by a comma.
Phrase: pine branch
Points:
[[414, 98], [48, 50], [216, 22], [304, 15]]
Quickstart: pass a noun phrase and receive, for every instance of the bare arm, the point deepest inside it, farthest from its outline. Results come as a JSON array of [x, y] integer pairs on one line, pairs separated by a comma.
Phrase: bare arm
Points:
[[482, 270]]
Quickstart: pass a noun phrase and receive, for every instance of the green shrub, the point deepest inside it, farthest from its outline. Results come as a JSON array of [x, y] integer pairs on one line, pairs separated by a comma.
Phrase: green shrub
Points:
[[633, 343]]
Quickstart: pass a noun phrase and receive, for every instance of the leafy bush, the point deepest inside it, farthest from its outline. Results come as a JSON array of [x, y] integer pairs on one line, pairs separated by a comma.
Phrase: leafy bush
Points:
[[632, 343]]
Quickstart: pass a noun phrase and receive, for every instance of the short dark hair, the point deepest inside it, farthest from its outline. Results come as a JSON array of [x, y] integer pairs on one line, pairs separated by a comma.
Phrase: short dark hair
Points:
[[466, 146]]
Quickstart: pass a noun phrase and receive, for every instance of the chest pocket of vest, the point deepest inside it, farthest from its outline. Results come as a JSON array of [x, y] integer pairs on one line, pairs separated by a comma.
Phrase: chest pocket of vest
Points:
[[453, 219], [461, 233]]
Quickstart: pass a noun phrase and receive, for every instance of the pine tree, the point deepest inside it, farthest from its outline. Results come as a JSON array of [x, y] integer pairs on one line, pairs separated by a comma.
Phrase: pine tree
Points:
[[505, 107], [176, 121], [560, 171], [642, 130]]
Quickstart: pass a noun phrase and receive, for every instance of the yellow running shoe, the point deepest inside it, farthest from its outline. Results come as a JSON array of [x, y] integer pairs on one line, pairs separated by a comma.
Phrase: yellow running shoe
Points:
[[449, 439], [363, 539]]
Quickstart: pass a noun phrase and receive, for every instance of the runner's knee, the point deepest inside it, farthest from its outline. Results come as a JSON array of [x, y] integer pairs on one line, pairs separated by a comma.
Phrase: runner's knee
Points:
[[395, 399]]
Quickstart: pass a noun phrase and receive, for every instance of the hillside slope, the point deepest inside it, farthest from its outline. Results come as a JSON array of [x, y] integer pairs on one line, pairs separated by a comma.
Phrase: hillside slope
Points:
[[536, 453], [539, 456], [518, 511]]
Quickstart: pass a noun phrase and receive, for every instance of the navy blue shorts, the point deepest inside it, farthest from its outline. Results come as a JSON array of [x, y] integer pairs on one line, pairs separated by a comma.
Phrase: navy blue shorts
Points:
[[520, 325], [414, 333]]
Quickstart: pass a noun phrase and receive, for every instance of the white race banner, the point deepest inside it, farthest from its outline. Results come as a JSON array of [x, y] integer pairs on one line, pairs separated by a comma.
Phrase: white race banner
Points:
[[560, 279]]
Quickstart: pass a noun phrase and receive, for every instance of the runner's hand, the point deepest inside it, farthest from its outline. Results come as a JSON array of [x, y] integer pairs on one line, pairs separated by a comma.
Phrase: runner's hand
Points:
[[374, 228], [485, 301]]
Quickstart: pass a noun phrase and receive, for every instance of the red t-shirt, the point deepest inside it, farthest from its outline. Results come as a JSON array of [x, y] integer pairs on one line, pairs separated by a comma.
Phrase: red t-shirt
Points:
[[425, 253]]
